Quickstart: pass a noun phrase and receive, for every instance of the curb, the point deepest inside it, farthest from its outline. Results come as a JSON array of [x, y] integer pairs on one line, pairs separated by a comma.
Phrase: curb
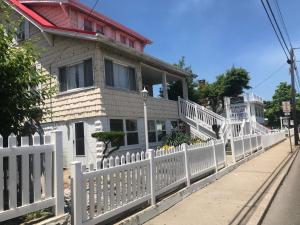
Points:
[[152, 211], [270, 193]]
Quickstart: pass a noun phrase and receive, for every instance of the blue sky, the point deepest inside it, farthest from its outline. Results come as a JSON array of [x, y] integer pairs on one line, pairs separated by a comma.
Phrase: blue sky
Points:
[[213, 35]]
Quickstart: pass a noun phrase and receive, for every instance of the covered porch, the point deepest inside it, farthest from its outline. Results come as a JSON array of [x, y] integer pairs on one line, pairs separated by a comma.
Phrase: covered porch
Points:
[[163, 85]]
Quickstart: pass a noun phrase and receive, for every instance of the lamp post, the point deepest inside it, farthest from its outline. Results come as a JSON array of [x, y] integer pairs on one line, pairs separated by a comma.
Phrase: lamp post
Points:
[[144, 94]]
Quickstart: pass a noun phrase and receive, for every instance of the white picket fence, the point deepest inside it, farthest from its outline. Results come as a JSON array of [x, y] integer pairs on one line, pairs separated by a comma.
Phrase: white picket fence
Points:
[[270, 139], [246, 145], [126, 182], [34, 178]]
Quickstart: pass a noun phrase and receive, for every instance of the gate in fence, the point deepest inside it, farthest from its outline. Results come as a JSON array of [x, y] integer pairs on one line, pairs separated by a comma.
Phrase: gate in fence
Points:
[[31, 176]]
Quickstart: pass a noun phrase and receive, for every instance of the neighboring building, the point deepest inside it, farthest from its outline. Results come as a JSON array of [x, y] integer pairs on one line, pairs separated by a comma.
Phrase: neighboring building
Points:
[[241, 107], [99, 67], [256, 107]]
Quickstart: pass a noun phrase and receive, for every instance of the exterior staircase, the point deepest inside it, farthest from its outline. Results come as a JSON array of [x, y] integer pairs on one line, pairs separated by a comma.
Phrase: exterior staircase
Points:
[[201, 120]]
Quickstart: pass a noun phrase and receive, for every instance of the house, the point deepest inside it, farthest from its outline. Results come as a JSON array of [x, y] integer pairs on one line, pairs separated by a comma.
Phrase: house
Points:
[[99, 68]]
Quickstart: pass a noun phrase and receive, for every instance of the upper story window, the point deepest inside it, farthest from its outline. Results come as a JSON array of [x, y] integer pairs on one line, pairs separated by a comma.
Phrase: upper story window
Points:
[[99, 29], [120, 76], [123, 39], [76, 76], [131, 43], [113, 34], [21, 31], [88, 25]]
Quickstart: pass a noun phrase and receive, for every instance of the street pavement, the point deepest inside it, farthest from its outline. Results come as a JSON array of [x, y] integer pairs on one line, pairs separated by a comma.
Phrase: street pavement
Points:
[[285, 208], [220, 202]]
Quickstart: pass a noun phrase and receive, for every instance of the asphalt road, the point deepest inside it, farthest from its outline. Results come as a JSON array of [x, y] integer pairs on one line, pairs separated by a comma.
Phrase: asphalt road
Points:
[[285, 208]]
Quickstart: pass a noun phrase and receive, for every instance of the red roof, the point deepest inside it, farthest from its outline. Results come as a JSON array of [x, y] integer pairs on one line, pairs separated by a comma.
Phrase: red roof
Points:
[[47, 24]]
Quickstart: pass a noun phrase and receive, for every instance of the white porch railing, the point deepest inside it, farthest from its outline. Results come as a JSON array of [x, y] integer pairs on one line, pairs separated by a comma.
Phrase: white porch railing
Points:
[[33, 177], [191, 112]]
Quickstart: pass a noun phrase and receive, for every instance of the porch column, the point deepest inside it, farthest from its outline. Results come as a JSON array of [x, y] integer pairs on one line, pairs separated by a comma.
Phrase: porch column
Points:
[[184, 89], [165, 85]]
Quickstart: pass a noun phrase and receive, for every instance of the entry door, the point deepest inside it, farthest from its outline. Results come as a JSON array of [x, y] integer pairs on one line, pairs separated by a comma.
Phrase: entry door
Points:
[[79, 139]]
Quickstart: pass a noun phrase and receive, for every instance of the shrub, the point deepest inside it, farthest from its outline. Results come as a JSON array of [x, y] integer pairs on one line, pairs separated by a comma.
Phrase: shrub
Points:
[[178, 138]]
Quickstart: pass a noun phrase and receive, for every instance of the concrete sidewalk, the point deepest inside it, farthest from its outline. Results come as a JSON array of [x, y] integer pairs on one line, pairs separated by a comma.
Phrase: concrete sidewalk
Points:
[[220, 202]]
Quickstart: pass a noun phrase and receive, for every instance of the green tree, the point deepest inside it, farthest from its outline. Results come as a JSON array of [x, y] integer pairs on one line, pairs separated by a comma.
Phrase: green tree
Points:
[[23, 88], [229, 84], [273, 108], [175, 87]]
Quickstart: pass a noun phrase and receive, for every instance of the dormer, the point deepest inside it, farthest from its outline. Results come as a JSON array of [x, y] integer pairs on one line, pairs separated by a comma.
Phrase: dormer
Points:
[[71, 14]]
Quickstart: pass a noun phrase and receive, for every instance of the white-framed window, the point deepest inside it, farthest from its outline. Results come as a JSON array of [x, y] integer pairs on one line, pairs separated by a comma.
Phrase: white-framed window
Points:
[[79, 139], [131, 43], [76, 76], [120, 76], [99, 29], [129, 127], [156, 130], [174, 125], [88, 25]]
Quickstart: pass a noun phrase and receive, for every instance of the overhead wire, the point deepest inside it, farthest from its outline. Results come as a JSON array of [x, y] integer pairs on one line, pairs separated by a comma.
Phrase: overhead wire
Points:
[[270, 76], [273, 26]]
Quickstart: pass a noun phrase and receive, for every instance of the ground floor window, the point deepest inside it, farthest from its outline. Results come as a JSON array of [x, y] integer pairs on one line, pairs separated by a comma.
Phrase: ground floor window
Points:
[[156, 130], [174, 125], [79, 139], [129, 127]]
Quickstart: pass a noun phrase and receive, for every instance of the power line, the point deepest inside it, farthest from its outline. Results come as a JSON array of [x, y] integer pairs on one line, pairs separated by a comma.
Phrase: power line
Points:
[[273, 26], [269, 76], [283, 22]]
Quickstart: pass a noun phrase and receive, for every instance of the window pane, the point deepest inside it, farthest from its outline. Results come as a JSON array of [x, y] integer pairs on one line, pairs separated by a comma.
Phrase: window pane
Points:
[[71, 76], [109, 76], [152, 136], [132, 78], [116, 125], [79, 138], [174, 125], [160, 125], [88, 73], [121, 76], [161, 135], [80, 75], [132, 138], [131, 125], [62, 79], [88, 26], [99, 29], [151, 125]]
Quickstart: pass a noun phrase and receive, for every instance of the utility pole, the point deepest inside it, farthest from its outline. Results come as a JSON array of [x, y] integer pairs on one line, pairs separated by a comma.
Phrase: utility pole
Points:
[[291, 61]]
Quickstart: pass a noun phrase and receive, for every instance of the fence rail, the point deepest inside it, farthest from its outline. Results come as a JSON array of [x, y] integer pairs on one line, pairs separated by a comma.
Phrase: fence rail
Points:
[[31, 175], [126, 182]]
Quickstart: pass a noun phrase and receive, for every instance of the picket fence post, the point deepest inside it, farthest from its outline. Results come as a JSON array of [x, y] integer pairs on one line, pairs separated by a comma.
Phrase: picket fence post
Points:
[[152, 176], [224, 151], [57, 140], [215, 156], [243, 143], [187, 168], [76, 174], [232, 144]]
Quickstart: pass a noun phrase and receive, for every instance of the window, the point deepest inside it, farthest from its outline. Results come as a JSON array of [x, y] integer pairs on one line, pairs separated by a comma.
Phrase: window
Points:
[[76, 76], [123, 39], [88, 25], [174, 126], [156, 130], [21, 31], [99, 29], [129, 127], [79, 139], [131, 43], [113, 34], [119, 76]]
